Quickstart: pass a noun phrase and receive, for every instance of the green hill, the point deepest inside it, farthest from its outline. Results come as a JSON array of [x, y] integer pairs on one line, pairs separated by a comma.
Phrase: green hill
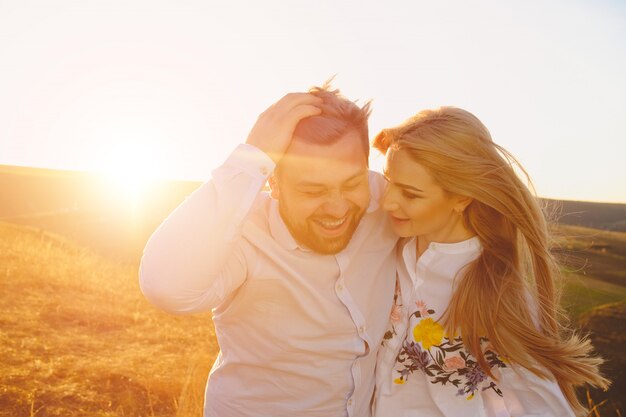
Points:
[[606, 216], [607, 326], [595, 264], [595, 298]]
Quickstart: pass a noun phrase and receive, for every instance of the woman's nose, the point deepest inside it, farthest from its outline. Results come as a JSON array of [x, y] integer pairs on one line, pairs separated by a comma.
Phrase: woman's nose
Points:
[[389, 203], [390, 206]]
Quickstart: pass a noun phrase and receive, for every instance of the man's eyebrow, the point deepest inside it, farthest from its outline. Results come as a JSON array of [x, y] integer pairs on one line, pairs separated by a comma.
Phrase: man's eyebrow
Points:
[[315, 184], [310, 185]]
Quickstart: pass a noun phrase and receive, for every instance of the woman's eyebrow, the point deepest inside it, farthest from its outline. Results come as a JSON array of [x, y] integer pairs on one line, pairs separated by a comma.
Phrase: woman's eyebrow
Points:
[[408, 187], [402, 185]]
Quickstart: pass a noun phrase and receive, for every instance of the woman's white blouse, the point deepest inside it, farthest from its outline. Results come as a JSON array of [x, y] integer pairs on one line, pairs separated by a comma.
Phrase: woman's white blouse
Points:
[[423, 372]]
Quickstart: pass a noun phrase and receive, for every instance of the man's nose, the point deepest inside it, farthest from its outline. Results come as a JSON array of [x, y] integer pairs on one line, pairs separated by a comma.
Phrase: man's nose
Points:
[[337, 205]]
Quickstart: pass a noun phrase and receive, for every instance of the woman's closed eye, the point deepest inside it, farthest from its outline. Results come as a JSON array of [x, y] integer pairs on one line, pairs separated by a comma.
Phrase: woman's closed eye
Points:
[[409, 195]]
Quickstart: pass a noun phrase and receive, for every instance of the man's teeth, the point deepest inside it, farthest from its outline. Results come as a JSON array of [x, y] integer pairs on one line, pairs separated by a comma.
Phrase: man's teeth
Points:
[[332, 223]]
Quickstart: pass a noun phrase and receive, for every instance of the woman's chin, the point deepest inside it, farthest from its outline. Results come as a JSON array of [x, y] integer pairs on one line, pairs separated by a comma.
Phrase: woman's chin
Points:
[[401, 232], [400, 226]]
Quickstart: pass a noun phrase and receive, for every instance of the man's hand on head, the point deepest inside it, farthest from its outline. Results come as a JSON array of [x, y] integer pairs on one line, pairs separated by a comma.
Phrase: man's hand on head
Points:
[[273, 130]]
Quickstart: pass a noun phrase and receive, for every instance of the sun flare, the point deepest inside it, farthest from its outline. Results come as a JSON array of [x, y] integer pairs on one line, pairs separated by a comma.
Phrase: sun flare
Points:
[[128, 184], [128, 171]]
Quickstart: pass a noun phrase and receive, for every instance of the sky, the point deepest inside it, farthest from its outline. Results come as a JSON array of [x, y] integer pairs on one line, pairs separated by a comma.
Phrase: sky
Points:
[[141, 88]]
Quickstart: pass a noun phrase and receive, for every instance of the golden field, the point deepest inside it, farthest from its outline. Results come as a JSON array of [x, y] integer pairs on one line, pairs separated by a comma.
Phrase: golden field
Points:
[[78, 339]]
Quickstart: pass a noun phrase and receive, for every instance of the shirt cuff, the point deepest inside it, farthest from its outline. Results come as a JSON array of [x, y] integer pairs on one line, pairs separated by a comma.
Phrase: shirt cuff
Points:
[[251, 160]]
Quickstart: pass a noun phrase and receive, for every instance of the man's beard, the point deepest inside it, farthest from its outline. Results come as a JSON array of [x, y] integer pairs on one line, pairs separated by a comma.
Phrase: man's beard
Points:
[[306, 236]]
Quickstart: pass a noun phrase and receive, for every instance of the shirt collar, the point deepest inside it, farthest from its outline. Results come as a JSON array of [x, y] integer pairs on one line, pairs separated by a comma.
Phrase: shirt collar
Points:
[[435, 250], [469, 245], [279, 229], [377, 189], [283, 236]]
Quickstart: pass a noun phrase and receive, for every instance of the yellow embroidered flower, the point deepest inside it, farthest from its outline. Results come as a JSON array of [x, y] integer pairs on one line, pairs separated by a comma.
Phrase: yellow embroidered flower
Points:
[[470, 397], [429, 332], [398, 381]]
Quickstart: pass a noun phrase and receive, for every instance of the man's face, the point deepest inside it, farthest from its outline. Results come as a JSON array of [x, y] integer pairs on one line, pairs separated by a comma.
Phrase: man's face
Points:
[[323, 191]]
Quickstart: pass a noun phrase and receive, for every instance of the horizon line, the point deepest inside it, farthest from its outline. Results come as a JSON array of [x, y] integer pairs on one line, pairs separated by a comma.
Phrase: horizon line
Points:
[[11, 168]]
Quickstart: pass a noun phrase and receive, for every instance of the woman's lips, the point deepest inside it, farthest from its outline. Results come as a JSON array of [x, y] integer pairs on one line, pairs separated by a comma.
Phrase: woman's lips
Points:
[[398, 220]]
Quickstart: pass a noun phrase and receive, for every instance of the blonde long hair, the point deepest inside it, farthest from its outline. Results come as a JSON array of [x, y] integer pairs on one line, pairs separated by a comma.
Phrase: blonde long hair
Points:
[[509, 293]]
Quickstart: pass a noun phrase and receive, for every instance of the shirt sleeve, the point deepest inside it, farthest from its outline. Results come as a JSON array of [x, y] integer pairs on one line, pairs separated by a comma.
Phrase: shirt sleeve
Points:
[[196, 257], [528, 395]]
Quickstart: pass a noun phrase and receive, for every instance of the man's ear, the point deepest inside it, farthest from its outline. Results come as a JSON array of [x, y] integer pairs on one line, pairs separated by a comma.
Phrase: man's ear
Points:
[[273, 182]]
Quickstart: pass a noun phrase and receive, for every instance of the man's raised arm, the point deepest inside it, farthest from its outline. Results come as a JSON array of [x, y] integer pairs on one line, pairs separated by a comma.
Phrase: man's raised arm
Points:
[[195, 258]]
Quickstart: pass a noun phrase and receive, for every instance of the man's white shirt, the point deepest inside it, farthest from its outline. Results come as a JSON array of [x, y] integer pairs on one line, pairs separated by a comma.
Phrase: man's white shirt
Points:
[[298, 331]]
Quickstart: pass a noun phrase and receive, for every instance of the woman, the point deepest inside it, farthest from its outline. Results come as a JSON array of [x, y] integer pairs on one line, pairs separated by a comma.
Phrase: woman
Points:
[[475, 329]]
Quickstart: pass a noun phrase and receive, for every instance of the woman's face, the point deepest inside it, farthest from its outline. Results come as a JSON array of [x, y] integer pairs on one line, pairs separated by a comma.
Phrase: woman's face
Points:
[[418, 206]]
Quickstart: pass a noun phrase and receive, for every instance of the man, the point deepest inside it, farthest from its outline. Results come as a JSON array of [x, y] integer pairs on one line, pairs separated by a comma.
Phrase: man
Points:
[[300, 281]]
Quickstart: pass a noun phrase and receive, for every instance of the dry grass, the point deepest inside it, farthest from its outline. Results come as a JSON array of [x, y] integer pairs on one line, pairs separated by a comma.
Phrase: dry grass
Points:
[[78, 338]]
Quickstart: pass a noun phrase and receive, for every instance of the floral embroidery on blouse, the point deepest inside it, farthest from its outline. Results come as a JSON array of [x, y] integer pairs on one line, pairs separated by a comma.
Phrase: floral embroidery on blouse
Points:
[[444, 360], [396, 314]]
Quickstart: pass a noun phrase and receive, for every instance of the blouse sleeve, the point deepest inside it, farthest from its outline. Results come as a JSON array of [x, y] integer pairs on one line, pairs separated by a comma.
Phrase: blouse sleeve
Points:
[[528, 395]]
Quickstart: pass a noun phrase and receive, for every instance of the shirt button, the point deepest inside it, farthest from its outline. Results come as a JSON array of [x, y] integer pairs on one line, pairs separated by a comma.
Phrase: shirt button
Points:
[[361, 329], [264, 171], [339, 287], [349, 401]]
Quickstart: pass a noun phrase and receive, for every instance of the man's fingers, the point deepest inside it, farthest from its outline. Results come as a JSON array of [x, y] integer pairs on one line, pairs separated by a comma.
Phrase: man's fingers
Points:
[[303, 111], [274, 128], [292, 100], [289, 102], [292, 108]]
